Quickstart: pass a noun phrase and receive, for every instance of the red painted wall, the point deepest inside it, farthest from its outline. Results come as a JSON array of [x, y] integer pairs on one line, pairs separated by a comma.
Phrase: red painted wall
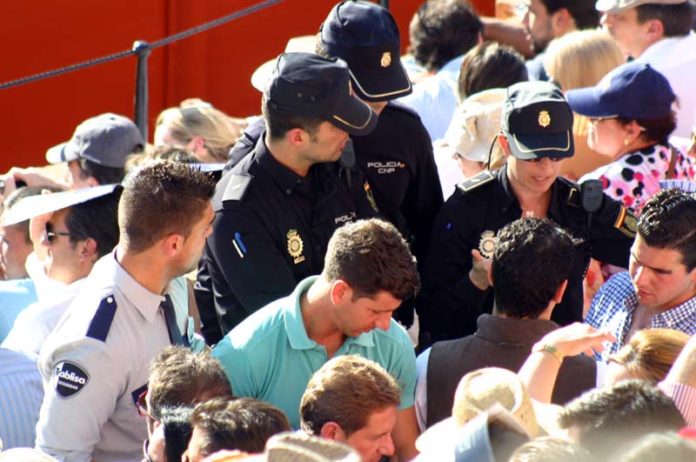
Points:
[[215, 66]]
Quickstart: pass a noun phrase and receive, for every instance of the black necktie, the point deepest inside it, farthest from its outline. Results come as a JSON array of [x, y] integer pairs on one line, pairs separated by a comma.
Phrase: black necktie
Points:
[[170, 317]]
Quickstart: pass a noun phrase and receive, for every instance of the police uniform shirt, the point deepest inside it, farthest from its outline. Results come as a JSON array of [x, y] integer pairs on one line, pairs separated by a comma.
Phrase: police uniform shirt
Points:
[[271, 230], [94, 366], [397, 159], [449, 303]]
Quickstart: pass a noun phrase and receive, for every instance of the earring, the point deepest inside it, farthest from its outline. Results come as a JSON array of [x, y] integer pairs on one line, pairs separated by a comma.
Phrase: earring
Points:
[[626, 142]]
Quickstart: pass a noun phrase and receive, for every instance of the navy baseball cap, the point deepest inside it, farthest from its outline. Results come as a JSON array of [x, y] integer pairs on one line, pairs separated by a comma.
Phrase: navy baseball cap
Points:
[[310, 85], [107, 139], [537, 121], [633, 90], [366, 36]]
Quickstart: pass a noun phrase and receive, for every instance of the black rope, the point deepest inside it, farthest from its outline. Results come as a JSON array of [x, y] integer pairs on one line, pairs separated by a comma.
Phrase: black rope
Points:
[[122, 54]]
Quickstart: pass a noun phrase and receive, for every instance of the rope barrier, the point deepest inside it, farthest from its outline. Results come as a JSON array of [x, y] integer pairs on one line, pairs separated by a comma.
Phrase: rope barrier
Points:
[[123, 54]]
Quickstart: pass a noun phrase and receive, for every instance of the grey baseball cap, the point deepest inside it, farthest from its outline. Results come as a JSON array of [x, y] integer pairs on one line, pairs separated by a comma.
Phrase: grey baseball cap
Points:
[[107, 139], [614, 6]]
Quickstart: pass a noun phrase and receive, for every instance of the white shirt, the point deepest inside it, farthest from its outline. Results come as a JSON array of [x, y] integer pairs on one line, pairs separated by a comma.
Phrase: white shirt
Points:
[[46, 288], [675, 58], [435, 98], [94, 366], [32, 325]]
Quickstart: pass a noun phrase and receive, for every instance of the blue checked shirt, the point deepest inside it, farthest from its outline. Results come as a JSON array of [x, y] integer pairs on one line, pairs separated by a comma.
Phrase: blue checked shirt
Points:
[[613, 307]]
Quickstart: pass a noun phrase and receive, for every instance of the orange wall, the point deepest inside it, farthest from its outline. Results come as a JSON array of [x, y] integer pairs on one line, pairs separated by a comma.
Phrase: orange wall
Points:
[[216, 65]]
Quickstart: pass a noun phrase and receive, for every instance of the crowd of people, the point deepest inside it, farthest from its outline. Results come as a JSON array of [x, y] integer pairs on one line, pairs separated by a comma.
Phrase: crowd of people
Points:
[[484, 250]]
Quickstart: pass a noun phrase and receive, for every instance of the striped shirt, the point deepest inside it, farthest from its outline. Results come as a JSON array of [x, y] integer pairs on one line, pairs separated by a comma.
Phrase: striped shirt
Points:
[[20, 399], [684, 397], [615, 303]]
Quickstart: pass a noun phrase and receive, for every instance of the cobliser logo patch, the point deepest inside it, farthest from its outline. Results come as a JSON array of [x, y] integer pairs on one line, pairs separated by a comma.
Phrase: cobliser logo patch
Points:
[[69, 378]]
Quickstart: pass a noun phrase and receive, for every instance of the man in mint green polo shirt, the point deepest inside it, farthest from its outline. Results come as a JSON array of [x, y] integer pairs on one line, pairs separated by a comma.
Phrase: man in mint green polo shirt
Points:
[[368, 272]]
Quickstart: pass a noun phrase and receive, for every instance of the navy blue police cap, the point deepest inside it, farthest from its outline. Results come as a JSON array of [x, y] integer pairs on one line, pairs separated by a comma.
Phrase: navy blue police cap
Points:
[[633, 91], [537, 121], [309, 85], [366, 36]]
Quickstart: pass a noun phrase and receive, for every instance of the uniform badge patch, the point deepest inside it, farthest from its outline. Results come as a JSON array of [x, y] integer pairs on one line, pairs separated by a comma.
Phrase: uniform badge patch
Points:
[[626, 223], [69, 378], [386, 59], [544, 119], [295, 246], [487, 244]]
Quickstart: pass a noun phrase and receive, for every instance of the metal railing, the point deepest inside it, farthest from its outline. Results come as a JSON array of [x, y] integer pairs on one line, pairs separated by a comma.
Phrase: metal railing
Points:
[[141, 49]]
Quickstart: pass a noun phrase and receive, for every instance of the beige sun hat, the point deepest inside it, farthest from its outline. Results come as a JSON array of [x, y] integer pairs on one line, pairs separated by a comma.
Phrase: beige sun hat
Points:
[[262, 74], [300, 447], [496, 391], [475, 124]]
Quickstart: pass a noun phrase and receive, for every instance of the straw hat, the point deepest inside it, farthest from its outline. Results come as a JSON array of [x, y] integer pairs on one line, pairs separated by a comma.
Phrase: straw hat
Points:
[[475, 124]]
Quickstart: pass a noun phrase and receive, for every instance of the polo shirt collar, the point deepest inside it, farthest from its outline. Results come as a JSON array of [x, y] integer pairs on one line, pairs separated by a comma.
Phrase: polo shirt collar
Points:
[[294, 323], [146, 302]]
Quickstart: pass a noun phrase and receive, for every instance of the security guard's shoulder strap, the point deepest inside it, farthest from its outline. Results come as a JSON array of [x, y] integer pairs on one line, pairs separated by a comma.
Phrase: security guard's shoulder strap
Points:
[[103, 318], [237, 186], [477, 180]]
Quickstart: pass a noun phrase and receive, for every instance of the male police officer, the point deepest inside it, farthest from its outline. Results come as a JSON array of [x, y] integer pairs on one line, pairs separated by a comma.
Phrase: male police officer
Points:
[[95, 363], [397, 157], [536, 136], [278, 207]]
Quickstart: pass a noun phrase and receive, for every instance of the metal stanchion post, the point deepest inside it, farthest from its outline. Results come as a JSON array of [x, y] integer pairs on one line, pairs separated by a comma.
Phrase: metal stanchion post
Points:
[[142, 50]]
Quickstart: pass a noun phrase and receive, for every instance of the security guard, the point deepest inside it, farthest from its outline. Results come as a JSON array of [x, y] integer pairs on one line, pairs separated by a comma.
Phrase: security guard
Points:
[[95, 363], [278, 207], [536, 136]]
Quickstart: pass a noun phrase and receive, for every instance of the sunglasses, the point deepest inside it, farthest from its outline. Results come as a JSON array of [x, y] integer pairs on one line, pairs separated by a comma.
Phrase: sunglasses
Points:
[[141, 406], [50, 236]]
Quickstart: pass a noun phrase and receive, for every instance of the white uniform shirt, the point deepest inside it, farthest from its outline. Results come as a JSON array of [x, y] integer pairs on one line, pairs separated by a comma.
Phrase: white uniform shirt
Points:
[[675, 58], [94, 366]]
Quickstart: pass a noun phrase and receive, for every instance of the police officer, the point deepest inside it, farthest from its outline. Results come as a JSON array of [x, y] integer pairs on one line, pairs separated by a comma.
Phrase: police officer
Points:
[[536, 136], [278, 207], [95, 363], [397, 157]]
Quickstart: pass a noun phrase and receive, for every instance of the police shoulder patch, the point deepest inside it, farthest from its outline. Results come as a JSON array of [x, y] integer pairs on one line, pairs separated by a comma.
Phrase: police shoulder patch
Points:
[[476, 181], [69, 378], [236, 187]]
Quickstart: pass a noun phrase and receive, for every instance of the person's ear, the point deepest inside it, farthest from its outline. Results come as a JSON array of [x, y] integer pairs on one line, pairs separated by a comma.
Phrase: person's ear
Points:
[[197, 143], [504, 145], [88, 250], [562, 22], [296, 137], [654, 30], [340, 291], [558, 296], [172, 244], [332, 431]]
